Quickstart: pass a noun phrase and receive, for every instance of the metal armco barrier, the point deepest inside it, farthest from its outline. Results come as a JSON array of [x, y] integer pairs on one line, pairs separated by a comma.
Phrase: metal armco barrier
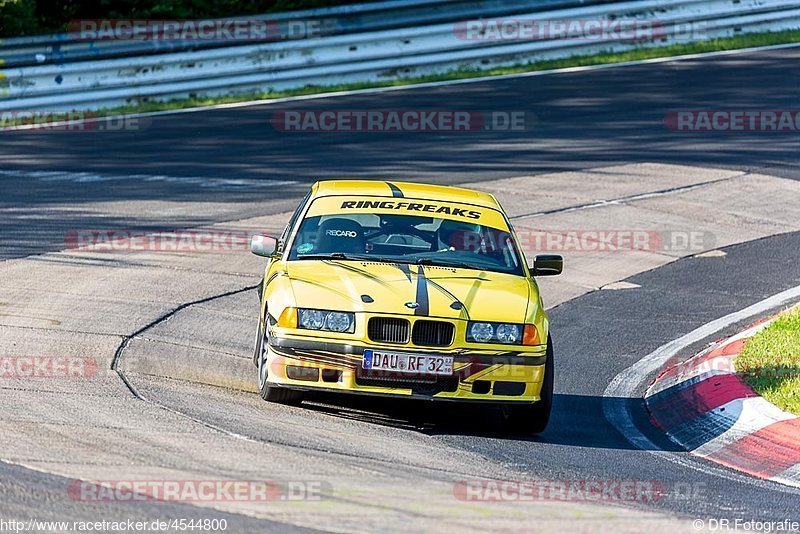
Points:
[[357, 18], [359, 43]]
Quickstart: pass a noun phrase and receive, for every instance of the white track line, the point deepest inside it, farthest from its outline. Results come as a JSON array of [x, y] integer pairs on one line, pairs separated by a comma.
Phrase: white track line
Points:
[[616, 397]]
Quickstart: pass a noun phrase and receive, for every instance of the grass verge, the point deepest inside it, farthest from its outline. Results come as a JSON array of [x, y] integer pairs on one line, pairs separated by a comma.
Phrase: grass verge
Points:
[[770, 362], [605, 58]]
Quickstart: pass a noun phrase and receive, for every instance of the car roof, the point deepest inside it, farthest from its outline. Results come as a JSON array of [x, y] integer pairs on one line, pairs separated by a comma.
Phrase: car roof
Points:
[[390, 189]]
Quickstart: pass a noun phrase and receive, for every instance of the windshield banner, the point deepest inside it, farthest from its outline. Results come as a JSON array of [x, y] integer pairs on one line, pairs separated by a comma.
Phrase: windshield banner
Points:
[[415, 207]]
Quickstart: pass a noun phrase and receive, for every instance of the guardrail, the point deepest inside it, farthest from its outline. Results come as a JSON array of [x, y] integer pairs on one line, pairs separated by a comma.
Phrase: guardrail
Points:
[[348, 19], [373, 56]]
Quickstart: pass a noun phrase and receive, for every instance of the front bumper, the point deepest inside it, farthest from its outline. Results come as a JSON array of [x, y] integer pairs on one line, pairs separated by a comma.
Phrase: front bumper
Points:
[[488, 376]]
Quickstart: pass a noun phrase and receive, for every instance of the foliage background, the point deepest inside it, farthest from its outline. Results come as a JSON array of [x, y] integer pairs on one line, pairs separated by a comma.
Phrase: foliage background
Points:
[[31, 17]]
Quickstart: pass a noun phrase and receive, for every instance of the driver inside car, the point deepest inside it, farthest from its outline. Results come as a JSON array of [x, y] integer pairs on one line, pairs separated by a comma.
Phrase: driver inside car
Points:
[[340, 235], [459, 237]]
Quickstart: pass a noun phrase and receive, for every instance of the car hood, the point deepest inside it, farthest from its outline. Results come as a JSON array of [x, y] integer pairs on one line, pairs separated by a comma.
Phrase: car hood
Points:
[[345, 285]]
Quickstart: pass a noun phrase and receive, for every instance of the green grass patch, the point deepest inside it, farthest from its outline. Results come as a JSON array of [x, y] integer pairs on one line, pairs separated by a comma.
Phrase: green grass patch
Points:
[[770, 362]]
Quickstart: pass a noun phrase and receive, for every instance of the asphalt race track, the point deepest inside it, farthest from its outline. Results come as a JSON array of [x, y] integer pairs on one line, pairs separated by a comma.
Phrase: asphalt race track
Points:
[[576, 120], [226, 166]]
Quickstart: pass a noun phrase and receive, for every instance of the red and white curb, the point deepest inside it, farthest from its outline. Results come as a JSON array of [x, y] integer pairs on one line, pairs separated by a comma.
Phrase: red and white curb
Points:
[[705, 407]]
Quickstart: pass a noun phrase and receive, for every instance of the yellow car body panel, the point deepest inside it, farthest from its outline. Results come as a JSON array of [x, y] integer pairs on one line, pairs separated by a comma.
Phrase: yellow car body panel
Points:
[[409, 190], [504, 373]]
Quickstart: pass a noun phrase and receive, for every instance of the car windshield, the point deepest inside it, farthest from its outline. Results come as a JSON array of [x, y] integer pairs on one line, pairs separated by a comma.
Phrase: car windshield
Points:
[[406, 238]]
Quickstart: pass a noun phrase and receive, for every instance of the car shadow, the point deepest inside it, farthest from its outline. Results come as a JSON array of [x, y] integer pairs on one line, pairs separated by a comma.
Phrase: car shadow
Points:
[[576, 420]]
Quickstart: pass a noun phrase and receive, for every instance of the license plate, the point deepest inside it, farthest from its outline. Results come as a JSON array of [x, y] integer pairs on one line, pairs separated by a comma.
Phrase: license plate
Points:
[[401, 362]]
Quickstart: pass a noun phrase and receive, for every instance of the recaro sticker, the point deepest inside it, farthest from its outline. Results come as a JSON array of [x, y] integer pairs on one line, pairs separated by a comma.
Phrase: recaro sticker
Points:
[[341, 233]]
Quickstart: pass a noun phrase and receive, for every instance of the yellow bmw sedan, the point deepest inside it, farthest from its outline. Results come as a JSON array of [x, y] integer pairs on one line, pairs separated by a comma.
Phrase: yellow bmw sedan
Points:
[[405, 290]]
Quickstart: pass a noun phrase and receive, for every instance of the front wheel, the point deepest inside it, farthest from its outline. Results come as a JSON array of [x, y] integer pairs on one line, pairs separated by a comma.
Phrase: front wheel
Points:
[[269, 392], [532, 418]]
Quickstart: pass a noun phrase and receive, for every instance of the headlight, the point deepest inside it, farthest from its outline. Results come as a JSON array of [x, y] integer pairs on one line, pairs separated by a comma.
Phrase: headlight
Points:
[[338, 321], [481, 332], [507, 334], [326, 320], [311, 319]]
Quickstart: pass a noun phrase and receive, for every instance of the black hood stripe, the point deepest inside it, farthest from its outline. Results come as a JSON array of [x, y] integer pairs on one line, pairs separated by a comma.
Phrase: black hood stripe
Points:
[[406, 270], [395, 190], [423, 303]]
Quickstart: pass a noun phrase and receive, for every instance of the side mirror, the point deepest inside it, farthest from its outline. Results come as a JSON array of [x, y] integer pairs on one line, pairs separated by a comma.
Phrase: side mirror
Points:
[[263, 245], [547, 265]]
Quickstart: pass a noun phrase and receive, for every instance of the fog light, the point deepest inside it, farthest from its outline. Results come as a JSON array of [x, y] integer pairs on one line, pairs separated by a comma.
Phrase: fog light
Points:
[[297, 372]]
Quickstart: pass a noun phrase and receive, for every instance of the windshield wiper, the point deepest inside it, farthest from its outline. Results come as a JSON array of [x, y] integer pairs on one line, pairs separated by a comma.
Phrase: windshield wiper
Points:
[[454, 264], [329, 256], [343, 256], [364, 257]]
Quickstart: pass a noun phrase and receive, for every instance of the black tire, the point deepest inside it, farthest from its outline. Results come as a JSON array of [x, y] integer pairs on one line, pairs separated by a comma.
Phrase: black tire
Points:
[[269, 392], [532, 418]]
